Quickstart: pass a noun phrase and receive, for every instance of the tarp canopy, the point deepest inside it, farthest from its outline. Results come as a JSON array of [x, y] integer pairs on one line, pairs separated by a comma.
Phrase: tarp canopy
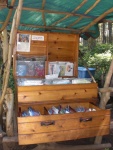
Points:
[[65, 16]]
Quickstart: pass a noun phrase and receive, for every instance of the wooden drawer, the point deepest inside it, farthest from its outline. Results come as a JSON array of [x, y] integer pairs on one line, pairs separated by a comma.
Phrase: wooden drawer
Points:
[[60, 127]]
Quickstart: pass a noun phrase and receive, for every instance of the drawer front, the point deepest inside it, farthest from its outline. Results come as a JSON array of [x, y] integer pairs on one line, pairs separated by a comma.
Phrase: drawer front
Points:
[[51, 128], [52, 125], [25, 139]]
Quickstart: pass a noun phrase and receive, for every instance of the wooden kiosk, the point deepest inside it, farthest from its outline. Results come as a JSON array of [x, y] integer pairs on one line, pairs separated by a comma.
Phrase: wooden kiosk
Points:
[[46, 128]]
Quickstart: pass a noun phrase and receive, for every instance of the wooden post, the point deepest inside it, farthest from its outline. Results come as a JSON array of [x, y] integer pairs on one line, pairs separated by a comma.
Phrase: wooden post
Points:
[[105, 96], [9, 101], [5, 45], [12, 40], [5, 51], [54, 146]]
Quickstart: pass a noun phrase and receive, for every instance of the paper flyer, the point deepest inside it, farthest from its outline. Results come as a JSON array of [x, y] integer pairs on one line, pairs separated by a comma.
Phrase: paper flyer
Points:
[[23, 42]]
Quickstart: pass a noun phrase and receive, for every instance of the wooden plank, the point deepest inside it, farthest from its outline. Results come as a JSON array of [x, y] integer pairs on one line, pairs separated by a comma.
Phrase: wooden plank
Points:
[[10, 139], [62, 37], [38, 51], [56, 146], [62, 47], [62, 135], [61, 117], [61, 44], [60, 54], [43, 16], [57, 87], [55, 12], [38, 96], [76, 100], [38, 43], [62, 125]]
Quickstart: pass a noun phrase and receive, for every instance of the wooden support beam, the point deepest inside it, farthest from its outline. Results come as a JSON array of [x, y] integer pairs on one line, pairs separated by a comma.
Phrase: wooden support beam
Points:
[[104, 90], [97, 19], [58, 28], [43, 15], [71, 30], [8, 17], [9, 142], [67, 16], [54, 146], [5, 51], [105, 96], [93, 6], [15, 24], [7, 139], [79, 19], [53, 28], [9, 101], [106, 86], [56, 12], [5, 45]]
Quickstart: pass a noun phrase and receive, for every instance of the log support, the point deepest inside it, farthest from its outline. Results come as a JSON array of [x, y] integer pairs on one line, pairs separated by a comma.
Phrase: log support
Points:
[[9, 142], [9, 101], [53, 146], [105, 96], [12, 41]]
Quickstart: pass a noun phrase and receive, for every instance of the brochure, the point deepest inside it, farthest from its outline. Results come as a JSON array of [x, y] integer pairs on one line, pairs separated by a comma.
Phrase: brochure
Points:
[[61, 68], [23, 42]]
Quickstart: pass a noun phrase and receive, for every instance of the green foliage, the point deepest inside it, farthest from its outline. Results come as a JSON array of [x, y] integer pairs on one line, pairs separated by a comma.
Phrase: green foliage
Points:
[[99, 58], [10, 82]]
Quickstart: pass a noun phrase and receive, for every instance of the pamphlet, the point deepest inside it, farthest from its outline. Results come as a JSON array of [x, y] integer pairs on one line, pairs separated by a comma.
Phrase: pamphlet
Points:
[[61, 68], [69, 69], [23, 42]]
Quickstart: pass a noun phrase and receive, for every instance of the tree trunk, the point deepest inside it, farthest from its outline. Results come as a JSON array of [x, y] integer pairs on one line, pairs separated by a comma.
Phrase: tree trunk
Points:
[[85, 43], [12, 40], [110, 32], [5, 45], [9, 114], [104, 37], [105, 96], [5, 52], [91, 43]]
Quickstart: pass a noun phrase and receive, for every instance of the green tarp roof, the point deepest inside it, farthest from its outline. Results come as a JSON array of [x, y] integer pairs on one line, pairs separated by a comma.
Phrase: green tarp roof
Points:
[[66, 16]]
